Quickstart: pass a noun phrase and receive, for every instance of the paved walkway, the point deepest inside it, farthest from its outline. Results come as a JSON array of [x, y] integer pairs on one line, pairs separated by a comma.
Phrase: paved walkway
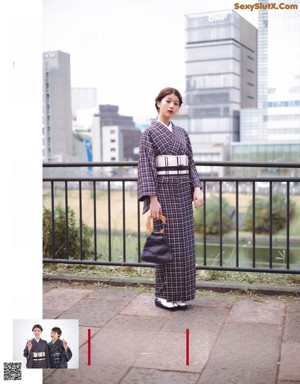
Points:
[[233, 338]]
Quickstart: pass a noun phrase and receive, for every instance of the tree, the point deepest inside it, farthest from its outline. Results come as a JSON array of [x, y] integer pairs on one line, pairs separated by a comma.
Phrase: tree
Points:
[[213, 217], [262, 213], [60, 245]]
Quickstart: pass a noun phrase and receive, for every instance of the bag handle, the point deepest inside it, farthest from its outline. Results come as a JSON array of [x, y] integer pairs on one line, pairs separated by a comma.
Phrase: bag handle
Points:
[[149, 227]]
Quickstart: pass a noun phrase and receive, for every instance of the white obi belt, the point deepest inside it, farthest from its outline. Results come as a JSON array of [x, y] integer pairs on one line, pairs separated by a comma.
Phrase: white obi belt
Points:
[[38, 355], [172, 165]]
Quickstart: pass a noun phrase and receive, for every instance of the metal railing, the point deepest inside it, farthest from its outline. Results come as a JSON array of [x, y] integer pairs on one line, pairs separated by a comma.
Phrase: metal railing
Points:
[[116, 181]]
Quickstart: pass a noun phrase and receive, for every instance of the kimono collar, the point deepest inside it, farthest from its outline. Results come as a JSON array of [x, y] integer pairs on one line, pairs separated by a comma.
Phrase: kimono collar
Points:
[[169, 127]]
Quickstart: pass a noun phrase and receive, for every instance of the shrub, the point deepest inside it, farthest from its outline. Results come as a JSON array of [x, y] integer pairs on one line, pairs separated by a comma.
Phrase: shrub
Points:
[[213, 217], [60, 249], [262, 213]]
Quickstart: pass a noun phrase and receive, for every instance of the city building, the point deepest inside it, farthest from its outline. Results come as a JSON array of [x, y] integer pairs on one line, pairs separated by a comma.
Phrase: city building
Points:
[[114, 137], [57, 112], [272, 131], [221, 74]]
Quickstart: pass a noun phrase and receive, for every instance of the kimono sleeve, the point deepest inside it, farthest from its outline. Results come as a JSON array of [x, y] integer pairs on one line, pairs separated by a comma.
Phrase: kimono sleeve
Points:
[[28, 355], [47, 351], [195, 181], [147, 177], [68, 354]]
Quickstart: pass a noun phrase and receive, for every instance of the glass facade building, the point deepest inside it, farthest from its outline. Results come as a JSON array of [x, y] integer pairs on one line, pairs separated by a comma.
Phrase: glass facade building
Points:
[[221, 73], [277, 119]]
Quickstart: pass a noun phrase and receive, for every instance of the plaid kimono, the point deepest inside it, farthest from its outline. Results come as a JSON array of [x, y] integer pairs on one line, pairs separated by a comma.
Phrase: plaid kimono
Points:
[[175, 281], [59, 357], [38, 357]]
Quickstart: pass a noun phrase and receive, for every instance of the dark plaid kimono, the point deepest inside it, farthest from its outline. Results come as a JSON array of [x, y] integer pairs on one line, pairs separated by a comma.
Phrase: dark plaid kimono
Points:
[[175, 281], [38, 357], [59, 357]]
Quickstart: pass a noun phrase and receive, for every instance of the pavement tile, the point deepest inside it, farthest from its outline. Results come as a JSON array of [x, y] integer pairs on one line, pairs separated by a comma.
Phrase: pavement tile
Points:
[[143, 305], [63, 298], [289, 369], [126, 294], [83, 334], [167, 351], [120, 347], [292, 323], [52, 313], [198, 320], [213, 301], [287, 382], [258, 311], [94, 313], [153, 376], [232, 340], [244, 353], [136, 323]]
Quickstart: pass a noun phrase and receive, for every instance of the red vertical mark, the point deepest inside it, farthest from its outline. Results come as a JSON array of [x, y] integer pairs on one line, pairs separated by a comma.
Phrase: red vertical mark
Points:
[[187, 354], [89, 346]]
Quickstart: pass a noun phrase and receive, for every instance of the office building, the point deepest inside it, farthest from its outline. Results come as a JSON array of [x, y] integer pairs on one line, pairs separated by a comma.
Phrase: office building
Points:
[[272, 131], [114, 136], [221, 73], [57, 113]]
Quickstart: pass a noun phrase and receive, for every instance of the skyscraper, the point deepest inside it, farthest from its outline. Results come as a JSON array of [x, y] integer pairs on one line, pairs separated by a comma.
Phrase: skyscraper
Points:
[[272, 131], [57, 113], [221, 73]]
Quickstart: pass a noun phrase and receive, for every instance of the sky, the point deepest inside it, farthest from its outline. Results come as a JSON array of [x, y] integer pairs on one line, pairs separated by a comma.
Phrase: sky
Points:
[[128, 49]]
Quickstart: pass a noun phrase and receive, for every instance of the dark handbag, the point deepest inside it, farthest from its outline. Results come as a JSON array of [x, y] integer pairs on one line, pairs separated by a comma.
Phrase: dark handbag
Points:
[[156, 249]]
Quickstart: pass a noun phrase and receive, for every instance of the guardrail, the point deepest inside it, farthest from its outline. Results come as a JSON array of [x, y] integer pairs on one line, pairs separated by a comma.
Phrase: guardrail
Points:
[[99, 185]]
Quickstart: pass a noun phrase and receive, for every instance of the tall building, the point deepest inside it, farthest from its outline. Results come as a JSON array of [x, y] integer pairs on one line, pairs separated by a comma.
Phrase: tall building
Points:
[[272, 131], [57, 112], [114, 137], [221, 73]]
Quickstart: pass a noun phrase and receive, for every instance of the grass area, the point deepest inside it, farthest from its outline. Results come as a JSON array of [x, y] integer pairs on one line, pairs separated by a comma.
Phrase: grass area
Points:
[[94, 271]]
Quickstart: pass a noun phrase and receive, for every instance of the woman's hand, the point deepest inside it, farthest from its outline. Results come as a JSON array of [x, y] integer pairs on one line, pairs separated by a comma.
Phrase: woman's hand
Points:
[[65, 344], [29, 345], [198, 198], [155, 208]]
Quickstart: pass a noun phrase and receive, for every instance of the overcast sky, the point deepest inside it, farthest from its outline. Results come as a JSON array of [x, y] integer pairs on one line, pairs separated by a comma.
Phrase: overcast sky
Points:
[[128, 49]]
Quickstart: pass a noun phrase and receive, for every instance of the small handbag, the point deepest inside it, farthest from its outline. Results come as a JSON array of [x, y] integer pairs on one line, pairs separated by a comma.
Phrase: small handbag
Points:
[[156, 249]]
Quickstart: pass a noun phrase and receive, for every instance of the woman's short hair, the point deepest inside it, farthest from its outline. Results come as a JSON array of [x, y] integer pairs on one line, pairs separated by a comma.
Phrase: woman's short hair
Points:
[[37, 326], [165, 92], [57, 330]]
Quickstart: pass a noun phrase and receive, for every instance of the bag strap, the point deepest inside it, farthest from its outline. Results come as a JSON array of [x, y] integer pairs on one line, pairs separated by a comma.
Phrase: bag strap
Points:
[[149, 227]]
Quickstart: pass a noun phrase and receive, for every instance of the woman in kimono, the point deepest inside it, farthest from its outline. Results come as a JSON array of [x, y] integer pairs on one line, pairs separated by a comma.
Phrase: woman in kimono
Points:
[[168, 183], [36, 350], [59, 351]]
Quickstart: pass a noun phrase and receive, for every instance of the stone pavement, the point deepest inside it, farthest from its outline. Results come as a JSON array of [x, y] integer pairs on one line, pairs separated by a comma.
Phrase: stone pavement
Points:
[[233, 338]]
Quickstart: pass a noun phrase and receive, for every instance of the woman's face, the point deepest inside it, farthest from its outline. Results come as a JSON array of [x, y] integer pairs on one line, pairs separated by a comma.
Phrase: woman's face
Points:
[[168, 106], [37, 333], [54, 336]]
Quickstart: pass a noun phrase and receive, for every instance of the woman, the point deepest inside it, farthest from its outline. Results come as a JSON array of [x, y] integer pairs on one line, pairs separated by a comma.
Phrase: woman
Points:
[[60, 353], [168, 183], [36, 350]]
